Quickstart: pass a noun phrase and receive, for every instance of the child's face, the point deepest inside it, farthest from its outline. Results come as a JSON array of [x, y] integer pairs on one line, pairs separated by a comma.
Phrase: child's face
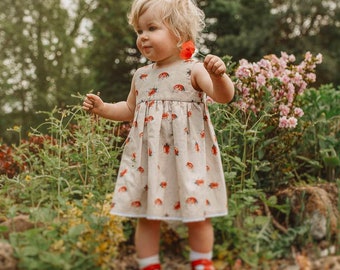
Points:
[[155, 41]]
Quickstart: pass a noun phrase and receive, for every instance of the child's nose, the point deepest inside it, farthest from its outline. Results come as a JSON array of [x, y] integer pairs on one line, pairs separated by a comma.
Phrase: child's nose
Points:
[[143, 36]]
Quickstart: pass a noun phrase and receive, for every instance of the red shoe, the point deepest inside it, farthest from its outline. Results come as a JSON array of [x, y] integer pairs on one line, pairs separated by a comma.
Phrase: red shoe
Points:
[[202, 265], [156, 266]]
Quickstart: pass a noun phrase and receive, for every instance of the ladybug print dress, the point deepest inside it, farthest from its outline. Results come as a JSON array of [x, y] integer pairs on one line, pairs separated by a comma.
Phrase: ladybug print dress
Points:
[[171, 167]]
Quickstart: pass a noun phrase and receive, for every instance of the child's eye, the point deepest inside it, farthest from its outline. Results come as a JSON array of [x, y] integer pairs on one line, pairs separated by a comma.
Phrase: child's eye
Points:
[[139, 32], [152, 28]]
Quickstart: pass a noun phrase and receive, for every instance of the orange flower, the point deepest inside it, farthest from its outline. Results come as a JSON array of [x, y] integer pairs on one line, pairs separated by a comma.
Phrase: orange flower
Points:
[[187, 50]]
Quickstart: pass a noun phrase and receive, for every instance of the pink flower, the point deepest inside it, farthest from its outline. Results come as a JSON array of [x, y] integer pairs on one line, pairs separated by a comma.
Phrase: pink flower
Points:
[[292, 122], [243, 72], [283, 122], [261, 80], [318, 59], [298, 112], [308, 56], [284, 110], [311, 77], [275, 80]]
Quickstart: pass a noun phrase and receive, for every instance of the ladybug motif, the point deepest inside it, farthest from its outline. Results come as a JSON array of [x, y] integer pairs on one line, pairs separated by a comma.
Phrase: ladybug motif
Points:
[[122, 189], [189, 114], [163, 184], [166, 148], [152, 91], [143, 76], [207, 168], [176, 151], [197, 147], [148, 119], [165, 115], [141, 134], [163, 75], [158, 201], [123, 172], [190, 165], [202, 134], [177, 206], [150, 152], [213, 185], [134, 156], [173, 116], [207, 202], [151, 103], [140, 169], [179, 87], [214, 150], [199, 182], [191, 200], [136, 204]]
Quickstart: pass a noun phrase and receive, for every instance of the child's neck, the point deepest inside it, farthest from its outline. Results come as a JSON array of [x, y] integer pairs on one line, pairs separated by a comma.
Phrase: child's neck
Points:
[[166, 62]]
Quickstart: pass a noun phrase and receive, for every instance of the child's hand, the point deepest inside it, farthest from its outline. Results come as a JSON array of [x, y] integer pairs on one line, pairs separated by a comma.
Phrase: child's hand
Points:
[[92, 103], [214, 65]]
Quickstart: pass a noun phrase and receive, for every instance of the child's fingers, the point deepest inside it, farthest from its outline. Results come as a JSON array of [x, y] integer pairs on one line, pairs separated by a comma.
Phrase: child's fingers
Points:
[[87, 105], [92, 97], [214, 65], [89, 102]]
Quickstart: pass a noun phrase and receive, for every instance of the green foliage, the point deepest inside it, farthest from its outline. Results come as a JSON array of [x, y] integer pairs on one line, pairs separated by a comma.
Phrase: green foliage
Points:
[[52, 50], [79, 155], [319, 150], [42, 60], [32, 248], [259, 160], [63, 178], [62, 184]]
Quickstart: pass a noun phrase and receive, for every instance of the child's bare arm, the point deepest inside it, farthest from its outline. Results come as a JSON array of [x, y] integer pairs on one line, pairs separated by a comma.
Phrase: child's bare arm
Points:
[[210, 77], [120, 111]]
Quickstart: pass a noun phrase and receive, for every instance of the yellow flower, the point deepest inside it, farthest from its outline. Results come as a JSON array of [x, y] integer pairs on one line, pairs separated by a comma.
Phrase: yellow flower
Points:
[[58, 246], [28, 178], [16, 128]]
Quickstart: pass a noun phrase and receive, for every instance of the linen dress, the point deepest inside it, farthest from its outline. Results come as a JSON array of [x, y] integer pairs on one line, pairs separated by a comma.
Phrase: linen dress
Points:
[[171, 167]]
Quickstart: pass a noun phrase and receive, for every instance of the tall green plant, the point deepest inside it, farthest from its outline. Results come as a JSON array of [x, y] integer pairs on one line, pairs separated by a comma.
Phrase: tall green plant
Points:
[[78, 155], [260, 126], [319, 150], [63, 186], [257, 134]]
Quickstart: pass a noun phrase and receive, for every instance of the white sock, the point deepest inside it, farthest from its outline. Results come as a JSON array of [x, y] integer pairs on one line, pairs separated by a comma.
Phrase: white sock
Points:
[[148, 261], [199, 256]]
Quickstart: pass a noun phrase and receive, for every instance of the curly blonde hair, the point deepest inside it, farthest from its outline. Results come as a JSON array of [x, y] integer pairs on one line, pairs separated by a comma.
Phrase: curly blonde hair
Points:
[[183, 17]]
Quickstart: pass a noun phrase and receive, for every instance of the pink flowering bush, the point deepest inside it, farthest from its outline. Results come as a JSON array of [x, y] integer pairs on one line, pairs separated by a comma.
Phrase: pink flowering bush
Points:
[[259, 130], [273, 84]]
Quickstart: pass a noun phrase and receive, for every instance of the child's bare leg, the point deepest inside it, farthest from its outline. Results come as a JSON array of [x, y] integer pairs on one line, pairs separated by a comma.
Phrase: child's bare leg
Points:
[[201, 241], [147, 238], [201, 236]]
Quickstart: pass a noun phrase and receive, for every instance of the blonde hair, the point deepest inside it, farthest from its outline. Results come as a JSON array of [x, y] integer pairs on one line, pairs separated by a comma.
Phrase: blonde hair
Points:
[[183, 17]]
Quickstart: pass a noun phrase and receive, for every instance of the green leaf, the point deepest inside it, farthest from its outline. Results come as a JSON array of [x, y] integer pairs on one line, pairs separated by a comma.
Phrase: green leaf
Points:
[[3, 229], [75, 231], [272, 200], [30, 251]]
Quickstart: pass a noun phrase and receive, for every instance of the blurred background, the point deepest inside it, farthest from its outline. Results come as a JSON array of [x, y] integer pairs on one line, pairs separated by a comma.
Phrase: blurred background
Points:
[[51, 50]]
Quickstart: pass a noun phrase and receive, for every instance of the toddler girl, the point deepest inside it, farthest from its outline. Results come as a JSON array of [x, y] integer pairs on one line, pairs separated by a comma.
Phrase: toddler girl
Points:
[[171, 167]]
